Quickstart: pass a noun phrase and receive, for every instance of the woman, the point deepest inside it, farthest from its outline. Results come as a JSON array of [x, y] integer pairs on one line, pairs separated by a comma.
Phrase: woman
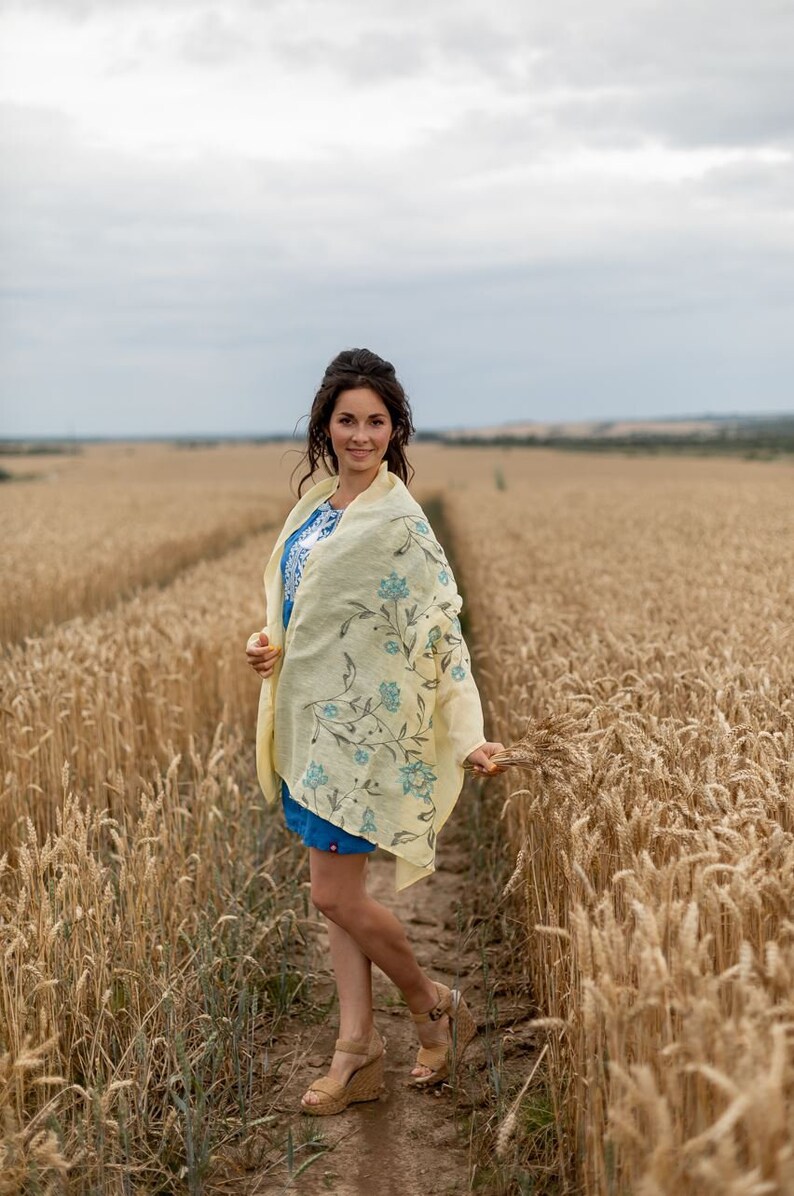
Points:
[[368, 710]]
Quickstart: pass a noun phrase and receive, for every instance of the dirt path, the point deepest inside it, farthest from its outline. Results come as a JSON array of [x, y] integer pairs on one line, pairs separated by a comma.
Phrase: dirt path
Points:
[[408, 1143]]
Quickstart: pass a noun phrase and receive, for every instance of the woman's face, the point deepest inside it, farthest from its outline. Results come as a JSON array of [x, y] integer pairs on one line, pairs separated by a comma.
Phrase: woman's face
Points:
[[360, 428]]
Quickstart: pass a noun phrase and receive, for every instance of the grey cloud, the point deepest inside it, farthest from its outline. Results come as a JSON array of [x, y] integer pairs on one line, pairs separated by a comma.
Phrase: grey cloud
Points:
[[364, 58], [212, 38], [697, 74], [701, 74]]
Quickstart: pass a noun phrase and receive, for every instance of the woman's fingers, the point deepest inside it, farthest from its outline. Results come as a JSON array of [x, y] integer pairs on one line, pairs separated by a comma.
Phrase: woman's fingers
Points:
[[481, 759], [264, 667], [262, 659]]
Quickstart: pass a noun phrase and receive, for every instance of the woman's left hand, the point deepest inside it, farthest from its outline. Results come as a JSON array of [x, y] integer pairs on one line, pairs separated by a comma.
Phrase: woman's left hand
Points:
[[480, 759]]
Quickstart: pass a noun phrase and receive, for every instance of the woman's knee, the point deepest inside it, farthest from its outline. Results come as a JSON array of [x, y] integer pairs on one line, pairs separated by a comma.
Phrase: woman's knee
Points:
[[327, 899], [336, 886]]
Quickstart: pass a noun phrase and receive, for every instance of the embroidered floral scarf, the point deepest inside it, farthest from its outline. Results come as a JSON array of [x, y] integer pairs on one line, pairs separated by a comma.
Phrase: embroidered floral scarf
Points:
[[372, 708]]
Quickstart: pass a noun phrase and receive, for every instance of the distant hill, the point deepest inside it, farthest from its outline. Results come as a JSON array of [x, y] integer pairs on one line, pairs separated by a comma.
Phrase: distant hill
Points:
[[745, 434], [704, 426]]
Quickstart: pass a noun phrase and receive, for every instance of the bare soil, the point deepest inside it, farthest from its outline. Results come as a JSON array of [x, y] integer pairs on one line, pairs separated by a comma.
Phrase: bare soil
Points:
[[409, 1142]]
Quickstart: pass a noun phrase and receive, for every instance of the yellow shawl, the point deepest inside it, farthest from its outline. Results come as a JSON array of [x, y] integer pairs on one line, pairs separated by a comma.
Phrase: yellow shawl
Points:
[[371, 709]]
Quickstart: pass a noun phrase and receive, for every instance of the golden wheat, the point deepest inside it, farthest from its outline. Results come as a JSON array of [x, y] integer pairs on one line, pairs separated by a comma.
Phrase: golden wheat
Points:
[[152, 912], [651, 606], [98, 528]]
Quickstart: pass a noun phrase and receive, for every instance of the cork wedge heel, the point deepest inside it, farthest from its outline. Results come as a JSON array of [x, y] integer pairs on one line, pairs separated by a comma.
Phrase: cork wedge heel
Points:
[[366, 1082], [443, 1057]]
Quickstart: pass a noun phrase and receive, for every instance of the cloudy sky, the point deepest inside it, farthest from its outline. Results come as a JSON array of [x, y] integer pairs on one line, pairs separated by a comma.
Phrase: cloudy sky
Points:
[[534, 210]]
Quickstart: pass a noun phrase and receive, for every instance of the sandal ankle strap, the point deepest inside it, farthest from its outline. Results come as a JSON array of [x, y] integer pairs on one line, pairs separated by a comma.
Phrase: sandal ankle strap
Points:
[[442, 1006], [355, 1048]]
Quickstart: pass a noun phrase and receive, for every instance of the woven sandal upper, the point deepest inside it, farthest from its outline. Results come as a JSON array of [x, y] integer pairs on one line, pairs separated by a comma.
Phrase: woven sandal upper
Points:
[[328, 1086]]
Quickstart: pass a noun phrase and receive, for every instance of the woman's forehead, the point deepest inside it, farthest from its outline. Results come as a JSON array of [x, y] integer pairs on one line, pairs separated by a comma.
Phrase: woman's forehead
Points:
[[359, 400]]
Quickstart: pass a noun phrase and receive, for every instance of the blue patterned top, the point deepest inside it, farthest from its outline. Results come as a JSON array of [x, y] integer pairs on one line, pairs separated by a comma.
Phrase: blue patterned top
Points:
[[319, 526]]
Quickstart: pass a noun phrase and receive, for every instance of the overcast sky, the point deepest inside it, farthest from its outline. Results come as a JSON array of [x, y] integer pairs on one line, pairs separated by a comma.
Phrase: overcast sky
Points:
[[535, 210]]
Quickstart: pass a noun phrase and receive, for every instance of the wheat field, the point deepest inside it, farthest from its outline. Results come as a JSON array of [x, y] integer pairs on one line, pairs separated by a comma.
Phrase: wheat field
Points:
[[648, 607], [634, 616], [152, 912], [82, 531]]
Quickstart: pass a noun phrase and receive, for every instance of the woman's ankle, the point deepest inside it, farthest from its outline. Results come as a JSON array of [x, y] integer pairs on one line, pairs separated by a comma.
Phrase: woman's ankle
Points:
[[424, 999], [358, 1031]]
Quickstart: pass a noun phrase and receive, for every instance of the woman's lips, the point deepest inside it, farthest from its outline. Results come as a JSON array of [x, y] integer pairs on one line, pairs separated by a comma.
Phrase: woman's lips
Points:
[[359, 452]]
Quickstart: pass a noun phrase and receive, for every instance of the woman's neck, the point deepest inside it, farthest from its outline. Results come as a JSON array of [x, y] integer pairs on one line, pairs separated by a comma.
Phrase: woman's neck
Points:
[[351, 485]]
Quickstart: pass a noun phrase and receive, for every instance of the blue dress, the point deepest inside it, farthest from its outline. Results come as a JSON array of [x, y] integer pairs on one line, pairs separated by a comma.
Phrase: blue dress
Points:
[[313, 830]]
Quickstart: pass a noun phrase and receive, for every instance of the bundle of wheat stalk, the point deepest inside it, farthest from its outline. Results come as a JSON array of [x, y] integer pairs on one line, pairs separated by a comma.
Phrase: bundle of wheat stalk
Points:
[[551, 747]]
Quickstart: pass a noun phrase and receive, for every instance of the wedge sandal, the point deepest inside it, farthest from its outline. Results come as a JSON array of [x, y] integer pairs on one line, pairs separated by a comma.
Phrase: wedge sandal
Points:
[[366, 1082], [444, 1057]]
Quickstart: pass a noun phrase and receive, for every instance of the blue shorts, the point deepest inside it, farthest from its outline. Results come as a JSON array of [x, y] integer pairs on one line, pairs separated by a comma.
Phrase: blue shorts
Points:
[[318, 832]]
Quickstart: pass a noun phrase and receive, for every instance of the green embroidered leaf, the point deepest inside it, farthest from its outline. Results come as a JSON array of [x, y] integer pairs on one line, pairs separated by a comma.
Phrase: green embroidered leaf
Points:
[[403, 837], [363, 614], [349, 675]]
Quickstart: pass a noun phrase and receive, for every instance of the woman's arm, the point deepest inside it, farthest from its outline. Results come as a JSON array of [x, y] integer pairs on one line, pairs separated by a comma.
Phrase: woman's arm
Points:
[[458, 703]]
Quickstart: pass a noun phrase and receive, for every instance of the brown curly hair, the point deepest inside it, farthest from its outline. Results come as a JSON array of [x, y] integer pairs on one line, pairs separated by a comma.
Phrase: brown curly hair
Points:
[[350, 369]]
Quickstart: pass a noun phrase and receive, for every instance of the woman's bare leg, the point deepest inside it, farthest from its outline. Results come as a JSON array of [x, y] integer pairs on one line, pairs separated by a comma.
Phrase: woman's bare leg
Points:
[[353, 973], [339, 891]]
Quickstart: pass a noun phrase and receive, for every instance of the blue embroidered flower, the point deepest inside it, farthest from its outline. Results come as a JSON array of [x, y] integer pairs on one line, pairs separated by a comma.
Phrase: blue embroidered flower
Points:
[[392, 647], [329, 710], [393, 586], [417, 779], [315, 775], [368, 823], [421, 527], [390, 695], [433, 636], [443, 577], [361, 757], [458, 673], [456, 625]]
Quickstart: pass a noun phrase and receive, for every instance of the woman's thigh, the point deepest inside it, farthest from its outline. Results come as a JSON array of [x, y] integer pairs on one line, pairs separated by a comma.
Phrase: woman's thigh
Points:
[[337, 880]]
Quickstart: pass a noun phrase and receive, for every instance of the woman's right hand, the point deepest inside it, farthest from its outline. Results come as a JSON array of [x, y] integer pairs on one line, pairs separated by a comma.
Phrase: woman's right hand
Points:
[[261, 655]]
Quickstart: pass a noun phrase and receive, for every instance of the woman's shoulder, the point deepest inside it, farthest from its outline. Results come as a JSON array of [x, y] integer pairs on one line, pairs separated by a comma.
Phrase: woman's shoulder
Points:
[[401, 499]]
